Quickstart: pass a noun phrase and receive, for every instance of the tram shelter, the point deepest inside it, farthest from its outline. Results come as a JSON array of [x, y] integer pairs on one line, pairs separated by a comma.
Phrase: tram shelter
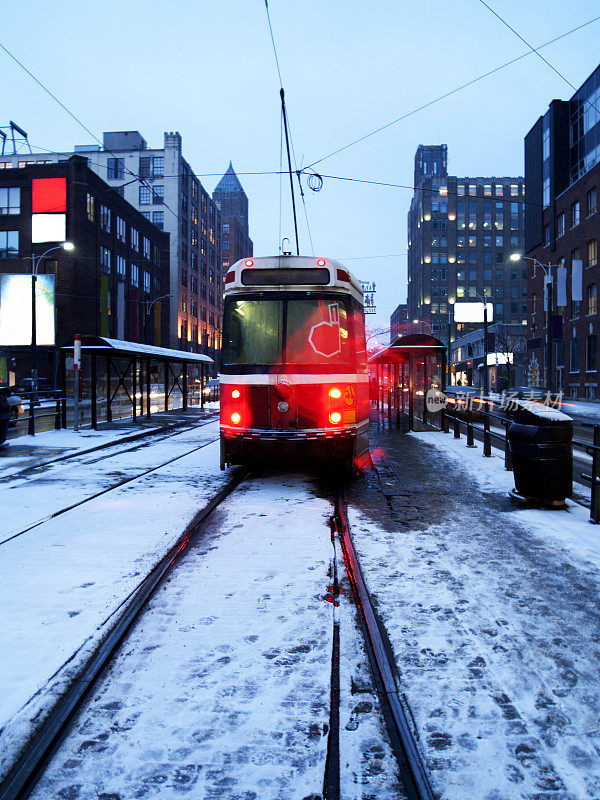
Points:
[[401, 374], [128, 379]]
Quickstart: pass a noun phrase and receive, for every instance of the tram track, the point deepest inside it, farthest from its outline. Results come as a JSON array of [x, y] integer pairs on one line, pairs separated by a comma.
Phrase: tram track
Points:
[[34, 759], [117, 485], [396, 712], [31, 762]]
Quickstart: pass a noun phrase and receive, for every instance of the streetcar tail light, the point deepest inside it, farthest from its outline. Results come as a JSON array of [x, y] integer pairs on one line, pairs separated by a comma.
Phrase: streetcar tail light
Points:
[[235, 394], [335, 393], [249, 262], [335, 417], [321, 262], [236, 418]]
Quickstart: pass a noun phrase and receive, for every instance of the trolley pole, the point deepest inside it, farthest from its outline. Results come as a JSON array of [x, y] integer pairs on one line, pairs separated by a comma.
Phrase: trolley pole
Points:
[[287, 144]]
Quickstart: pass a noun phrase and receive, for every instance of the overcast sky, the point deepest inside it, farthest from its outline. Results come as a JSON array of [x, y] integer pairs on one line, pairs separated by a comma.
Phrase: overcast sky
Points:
[[208, 70]]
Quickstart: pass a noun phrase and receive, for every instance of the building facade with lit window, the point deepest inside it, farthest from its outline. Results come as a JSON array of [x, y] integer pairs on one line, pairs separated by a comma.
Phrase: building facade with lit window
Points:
[[107, 285], [232, 201], [398, 321], [161, 185], [461, 233], [562, 178]]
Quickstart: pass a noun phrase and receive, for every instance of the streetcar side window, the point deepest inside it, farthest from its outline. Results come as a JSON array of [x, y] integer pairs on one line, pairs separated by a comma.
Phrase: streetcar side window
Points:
[[253, 331]]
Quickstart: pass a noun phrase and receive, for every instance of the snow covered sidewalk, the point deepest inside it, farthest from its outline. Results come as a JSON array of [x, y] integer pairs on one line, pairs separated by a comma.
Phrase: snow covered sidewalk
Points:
[[492, 615]]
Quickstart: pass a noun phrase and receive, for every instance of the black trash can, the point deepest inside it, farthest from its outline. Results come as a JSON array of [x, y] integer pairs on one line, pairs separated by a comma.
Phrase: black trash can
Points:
[[4, 415], [542, 456]]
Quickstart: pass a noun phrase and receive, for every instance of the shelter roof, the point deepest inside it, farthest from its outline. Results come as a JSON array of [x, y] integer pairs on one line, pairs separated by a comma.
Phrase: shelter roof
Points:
[[101, 344]]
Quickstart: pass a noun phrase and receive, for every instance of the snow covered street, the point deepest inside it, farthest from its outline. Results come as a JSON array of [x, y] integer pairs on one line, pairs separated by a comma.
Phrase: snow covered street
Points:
[[223, 686]]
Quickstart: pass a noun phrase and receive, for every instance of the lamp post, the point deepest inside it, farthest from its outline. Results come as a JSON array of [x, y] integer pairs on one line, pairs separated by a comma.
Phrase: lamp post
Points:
[[486, 376], [148, 311], [548, 294], [35, 263]]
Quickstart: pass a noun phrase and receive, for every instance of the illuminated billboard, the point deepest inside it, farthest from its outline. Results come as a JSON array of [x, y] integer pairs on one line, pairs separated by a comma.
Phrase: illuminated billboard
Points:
[[15, 310], [472, 312], [49, 207]]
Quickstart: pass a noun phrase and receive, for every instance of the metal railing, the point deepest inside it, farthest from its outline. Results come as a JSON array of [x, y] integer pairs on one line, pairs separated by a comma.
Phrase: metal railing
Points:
[[465, 419]]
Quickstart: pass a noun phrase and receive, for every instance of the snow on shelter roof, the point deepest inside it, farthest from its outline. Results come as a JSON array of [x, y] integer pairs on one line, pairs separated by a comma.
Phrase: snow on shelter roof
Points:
[[135, 348]]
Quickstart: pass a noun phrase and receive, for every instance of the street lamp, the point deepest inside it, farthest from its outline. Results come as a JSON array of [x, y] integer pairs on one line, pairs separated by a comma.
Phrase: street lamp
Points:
[[548, 297], [148, 311], [35, 263]]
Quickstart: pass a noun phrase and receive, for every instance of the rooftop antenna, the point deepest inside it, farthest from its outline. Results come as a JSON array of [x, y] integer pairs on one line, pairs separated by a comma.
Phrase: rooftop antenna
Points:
[[17, 141]]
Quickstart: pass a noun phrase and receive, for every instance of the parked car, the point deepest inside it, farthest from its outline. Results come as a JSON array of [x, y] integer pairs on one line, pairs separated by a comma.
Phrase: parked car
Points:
[[44, 388], [15, 404], [211, 389]]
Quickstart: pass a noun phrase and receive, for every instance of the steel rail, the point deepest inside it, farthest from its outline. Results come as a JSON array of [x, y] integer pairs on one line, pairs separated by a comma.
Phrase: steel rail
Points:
[[404, 744], [112, 488], [30, 764]]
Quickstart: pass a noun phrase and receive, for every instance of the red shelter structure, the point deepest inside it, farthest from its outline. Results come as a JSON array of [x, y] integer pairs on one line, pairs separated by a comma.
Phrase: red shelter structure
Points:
[[401, 375]]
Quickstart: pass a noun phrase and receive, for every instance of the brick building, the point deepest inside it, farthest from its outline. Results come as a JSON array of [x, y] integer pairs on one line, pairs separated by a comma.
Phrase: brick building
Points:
[[108, 284], [562, 175], [161, 184]]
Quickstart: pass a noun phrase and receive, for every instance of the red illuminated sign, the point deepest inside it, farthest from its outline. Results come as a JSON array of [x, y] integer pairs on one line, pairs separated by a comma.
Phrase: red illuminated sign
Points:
[[49, 196]]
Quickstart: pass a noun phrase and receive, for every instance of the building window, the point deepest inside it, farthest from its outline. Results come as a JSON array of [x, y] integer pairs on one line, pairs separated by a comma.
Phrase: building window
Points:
[[472, 189], [145, 194], [121, 229], [184, 278], [147, 282], [487, 190], [193, 308], [158, 195], [90, 208], [9, 244], [146, 247], [104, 218], [121, 266], [158, 218], [193, 260], [574, 355], [514, 190], [546, 235], [147, 215], [194, 284], [116, 169], [591, 353], [592, 248], [144, 167], [135, 275], [575, 213], [592, 299], [592, 202], [105, 257], [10, 200], [499, 190], [135, 239], [158, 166], [184, 303]]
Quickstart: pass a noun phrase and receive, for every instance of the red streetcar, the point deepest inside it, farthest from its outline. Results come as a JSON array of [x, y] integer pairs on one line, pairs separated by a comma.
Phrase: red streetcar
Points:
[[294, 379]]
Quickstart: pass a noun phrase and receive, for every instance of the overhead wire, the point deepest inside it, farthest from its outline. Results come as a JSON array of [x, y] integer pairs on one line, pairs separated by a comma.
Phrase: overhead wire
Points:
[[452, 92]]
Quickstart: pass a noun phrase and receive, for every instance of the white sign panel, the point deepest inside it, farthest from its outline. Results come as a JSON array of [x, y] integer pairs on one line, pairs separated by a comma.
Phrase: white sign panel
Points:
[[577, 280], [48, 227], [472, 312], [15, 310]]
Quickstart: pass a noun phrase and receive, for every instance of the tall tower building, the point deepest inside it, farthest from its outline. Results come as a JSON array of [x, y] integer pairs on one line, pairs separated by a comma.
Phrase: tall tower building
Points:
[[231, 199], [461, 233]]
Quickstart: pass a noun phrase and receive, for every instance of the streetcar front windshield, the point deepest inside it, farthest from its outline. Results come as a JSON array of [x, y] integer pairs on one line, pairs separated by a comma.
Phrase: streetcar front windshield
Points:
[[310, 330]]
